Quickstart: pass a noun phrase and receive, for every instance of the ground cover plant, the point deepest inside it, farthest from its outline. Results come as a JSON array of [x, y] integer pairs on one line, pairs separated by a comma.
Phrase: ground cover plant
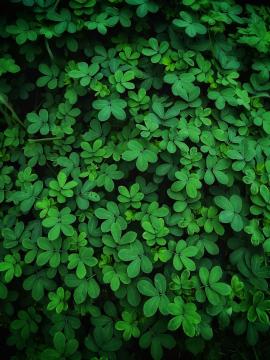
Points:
[[134, 179]]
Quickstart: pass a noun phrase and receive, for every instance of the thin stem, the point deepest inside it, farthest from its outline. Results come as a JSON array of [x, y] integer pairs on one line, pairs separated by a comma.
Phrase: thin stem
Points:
[[56, 4], [6, 117], [255, 353], [49, 49], [258, 96], [13, 113], [45, 139]]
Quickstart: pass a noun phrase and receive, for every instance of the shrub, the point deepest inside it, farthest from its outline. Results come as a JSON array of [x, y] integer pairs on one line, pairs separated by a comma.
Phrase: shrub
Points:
[[134, 179]]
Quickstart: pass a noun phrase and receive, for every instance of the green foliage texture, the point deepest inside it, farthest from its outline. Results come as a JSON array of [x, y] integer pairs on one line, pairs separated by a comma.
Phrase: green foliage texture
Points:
[[134, 179]]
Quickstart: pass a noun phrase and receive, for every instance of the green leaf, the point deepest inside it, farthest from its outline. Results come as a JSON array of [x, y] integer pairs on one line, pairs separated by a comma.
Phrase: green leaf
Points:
[[150, 307], [146, 288]]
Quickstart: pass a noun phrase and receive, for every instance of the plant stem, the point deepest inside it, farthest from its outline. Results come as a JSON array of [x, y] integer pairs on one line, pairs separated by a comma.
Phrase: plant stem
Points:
[[45, 139], [13, 113], [49, 49], [56, 5]]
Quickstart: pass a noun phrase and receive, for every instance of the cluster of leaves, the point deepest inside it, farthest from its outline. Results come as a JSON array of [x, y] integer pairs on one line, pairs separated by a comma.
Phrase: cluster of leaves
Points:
[[134, 179]]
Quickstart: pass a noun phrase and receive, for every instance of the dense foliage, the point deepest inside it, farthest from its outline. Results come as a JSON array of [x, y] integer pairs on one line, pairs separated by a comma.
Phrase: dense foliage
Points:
[[134, 179]]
